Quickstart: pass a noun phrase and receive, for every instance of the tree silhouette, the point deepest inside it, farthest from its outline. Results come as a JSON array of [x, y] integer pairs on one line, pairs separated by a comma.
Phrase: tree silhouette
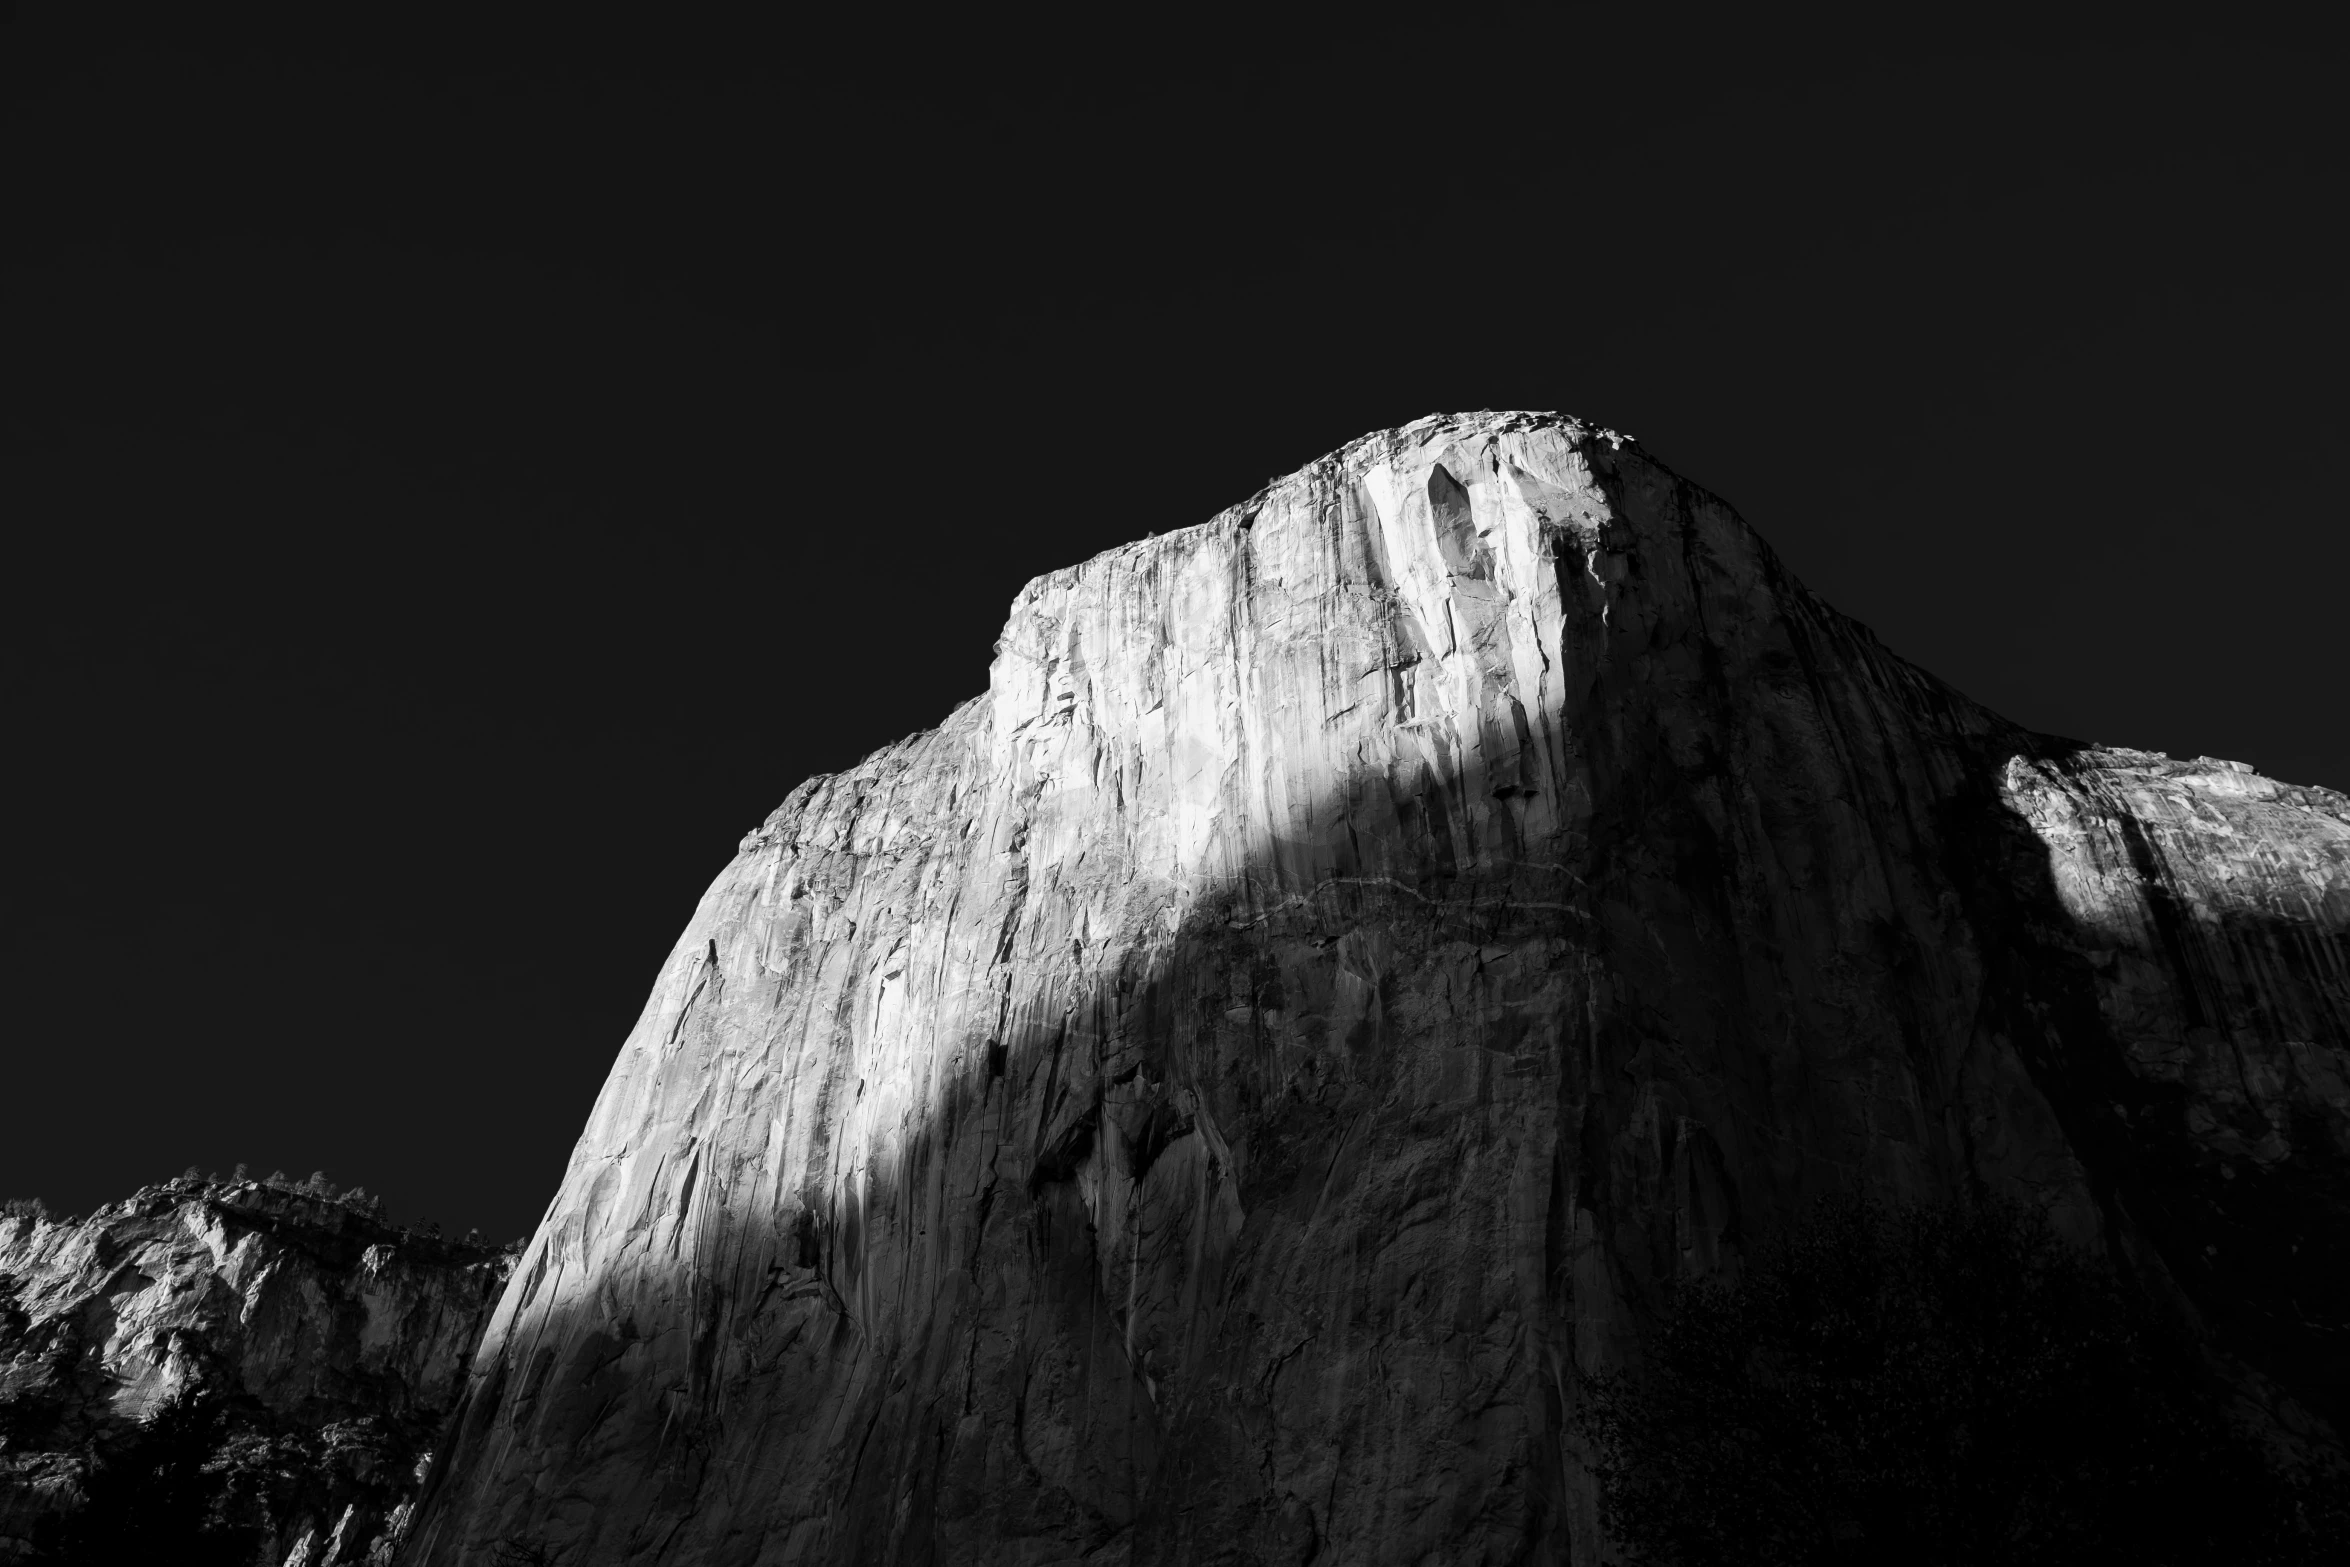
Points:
[[152, 1500], [1936, 1386]]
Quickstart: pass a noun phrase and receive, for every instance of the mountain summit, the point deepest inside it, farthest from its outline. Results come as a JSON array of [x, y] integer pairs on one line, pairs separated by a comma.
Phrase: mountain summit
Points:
[[1223, 1093]]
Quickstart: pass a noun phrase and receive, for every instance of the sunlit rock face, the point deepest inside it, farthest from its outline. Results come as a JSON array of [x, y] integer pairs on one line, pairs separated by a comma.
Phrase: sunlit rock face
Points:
[[337, 1343], [1217, 1096]]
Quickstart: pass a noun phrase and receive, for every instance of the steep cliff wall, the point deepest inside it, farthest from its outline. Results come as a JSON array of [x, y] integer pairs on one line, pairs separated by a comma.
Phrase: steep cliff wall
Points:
[[334, 1343], [1216, 1096]]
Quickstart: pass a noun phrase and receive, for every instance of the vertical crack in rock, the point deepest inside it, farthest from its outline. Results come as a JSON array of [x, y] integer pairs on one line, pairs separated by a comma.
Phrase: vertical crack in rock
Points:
[[1219, 1094]]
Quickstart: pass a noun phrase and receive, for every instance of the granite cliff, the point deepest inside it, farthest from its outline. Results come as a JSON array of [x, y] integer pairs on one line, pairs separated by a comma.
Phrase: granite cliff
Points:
[[1217, 1096], [332, 1343]]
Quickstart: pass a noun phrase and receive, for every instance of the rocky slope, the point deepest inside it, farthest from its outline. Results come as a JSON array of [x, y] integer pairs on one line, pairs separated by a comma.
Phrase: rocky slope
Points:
[[334, 1343], [1217, 1096]]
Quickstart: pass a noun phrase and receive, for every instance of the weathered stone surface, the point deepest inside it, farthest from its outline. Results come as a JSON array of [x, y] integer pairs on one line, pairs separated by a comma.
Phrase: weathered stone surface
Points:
[[1215, 1097], [339, 1341]]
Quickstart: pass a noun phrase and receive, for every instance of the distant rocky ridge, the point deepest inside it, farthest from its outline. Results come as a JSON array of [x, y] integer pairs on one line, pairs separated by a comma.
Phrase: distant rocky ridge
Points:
[[332, 1342], [1221, 1095]]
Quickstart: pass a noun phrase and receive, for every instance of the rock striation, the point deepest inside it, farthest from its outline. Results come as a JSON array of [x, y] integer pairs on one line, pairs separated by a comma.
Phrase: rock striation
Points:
[[1217, 1096], [335, 1344]]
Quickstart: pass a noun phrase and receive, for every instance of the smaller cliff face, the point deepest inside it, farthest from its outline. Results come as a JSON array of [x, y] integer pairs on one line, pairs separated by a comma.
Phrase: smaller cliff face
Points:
[[331, 1342]]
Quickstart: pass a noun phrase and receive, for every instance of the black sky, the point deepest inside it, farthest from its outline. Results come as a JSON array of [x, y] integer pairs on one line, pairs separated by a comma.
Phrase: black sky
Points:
[[462, 475]]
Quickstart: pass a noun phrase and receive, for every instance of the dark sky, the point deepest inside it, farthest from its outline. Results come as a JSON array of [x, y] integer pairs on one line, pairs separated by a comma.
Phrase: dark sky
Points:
[[461, 476]]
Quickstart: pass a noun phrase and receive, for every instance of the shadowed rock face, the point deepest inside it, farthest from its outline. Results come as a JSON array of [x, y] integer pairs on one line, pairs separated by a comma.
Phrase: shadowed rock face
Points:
[[337, 1344], [1216, 1096]]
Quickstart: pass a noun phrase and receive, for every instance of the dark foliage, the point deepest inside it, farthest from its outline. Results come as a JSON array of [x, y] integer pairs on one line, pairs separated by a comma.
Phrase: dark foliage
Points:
[[1932, 1386], [155, 1499], [28, 1408], [211, 1479]]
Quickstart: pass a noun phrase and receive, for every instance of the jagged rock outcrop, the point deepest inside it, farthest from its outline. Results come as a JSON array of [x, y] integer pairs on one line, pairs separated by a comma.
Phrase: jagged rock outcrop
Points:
[[1216, 1096], [334, 1344]]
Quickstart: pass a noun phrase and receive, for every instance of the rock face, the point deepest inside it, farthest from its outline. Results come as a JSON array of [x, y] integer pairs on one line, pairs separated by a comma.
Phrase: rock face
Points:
[[1217, 1096], [337, 1344]]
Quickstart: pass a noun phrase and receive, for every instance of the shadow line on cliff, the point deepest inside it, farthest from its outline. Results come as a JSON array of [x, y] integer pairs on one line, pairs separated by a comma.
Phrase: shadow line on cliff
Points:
[[1387, 1147], [2255, 1248], [1524, 1098]]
